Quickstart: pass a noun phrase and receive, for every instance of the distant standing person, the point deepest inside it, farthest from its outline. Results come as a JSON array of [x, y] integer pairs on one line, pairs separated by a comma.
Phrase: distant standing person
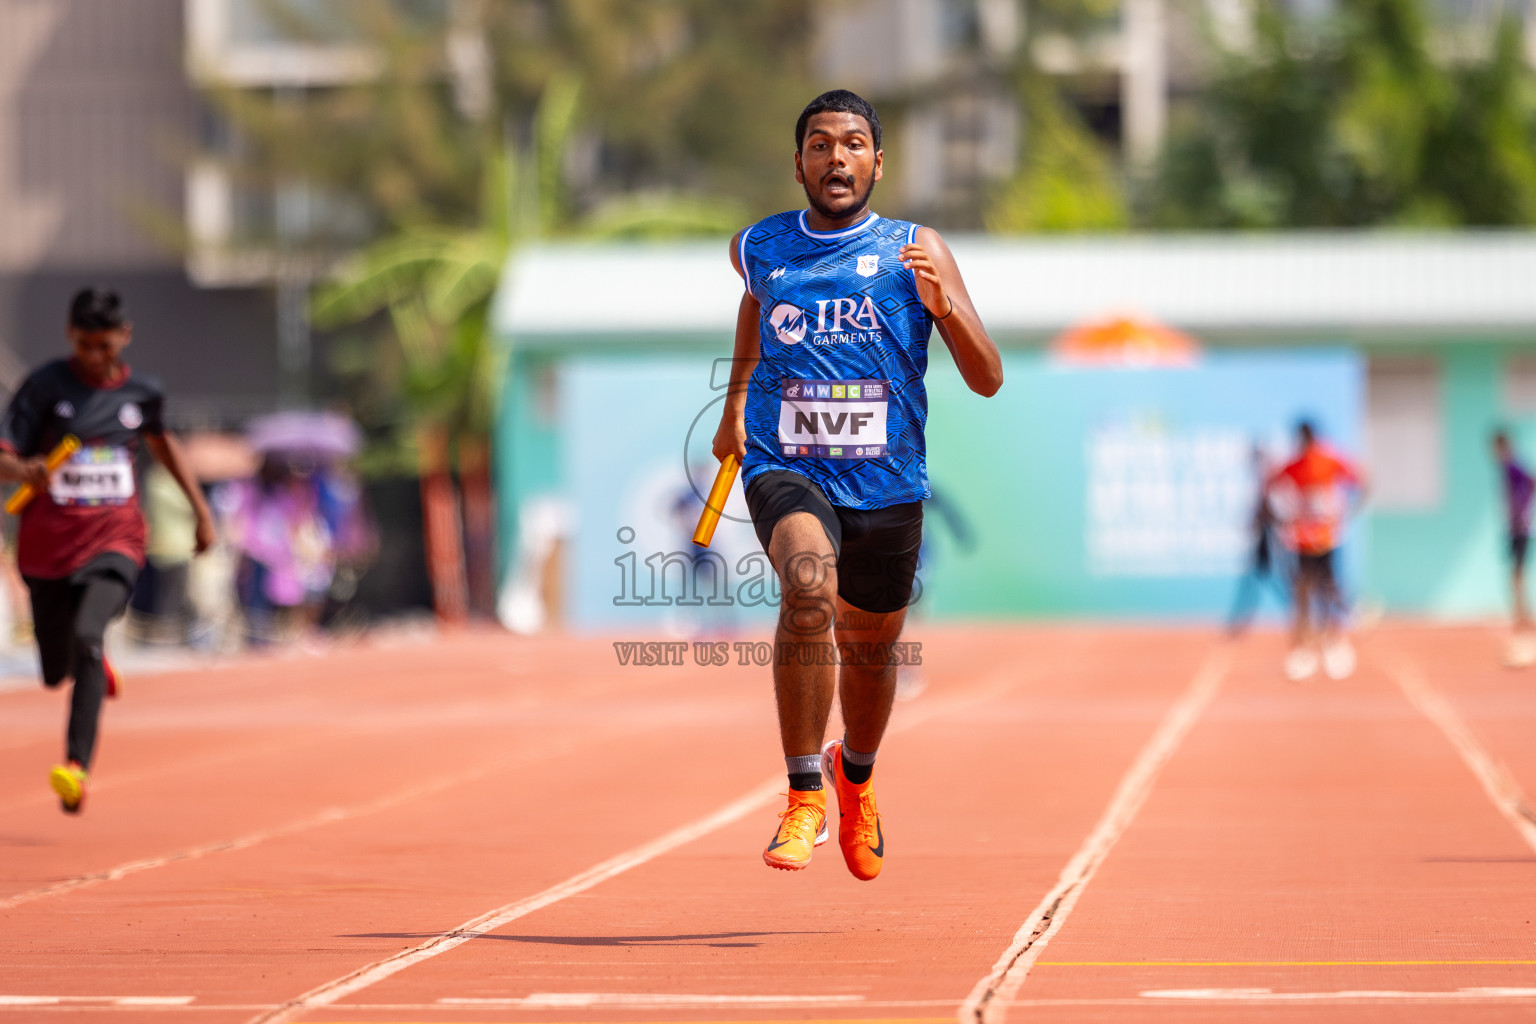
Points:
[[1263, 566], [1519, 488], [1312, 498], [81, 541]]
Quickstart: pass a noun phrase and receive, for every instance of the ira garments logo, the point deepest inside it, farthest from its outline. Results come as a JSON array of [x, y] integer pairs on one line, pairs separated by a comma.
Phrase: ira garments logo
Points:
[[788, 323]]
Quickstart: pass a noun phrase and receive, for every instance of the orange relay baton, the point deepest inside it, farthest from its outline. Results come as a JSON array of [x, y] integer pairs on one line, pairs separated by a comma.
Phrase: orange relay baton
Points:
[[710, 517], [56, 458]]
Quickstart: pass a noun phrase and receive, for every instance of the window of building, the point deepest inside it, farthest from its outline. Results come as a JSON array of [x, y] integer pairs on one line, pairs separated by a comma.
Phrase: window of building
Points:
[[1520, 386], [1404, 428]]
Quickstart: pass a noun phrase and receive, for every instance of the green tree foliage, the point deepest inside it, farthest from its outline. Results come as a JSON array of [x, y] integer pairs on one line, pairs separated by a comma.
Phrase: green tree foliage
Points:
[[1066, 182], [1067, 179], [654, 94], [438, 176], [1353, 122]]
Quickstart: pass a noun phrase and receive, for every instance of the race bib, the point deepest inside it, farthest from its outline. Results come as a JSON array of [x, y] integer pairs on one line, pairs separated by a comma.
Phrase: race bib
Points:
[[833, 419], [96, 475]]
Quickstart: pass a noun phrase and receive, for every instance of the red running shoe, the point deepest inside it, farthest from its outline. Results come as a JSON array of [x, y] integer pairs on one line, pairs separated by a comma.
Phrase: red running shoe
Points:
[[858, 831]]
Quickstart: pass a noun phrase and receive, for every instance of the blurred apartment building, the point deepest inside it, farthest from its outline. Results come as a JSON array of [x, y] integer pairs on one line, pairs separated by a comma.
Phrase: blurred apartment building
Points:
[[946, 71], [113, 169], [97, 118], [944, 74]]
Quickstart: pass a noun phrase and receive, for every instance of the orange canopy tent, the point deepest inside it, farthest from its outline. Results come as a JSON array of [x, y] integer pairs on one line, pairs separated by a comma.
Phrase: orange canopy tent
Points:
[[1125, 341]]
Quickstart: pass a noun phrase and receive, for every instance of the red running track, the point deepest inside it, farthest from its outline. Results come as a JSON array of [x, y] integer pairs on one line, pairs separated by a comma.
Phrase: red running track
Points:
[[1082, 824]]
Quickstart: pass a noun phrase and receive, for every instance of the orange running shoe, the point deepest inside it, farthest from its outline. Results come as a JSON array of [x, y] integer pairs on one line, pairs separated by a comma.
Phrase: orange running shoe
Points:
[[68, 780], [858, 830], [112, 687], [802, 828]]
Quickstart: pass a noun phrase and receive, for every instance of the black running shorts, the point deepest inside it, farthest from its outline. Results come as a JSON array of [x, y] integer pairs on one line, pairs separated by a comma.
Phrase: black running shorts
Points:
[[1316, 569], [56, 610], [876, 548]]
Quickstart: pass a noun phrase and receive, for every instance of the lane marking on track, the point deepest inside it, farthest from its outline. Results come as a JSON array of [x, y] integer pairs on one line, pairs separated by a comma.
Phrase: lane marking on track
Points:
[[1283, 963], [556, 1000], [1352, 995], [1496, 780], [329, 816], [779, 1020], [331, 992], [985, 1003], [203, 1009], [7, 1002], [363, 977]]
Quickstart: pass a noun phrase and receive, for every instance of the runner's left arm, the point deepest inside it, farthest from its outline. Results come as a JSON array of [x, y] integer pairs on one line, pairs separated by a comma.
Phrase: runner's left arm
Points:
[[168, 452], [942, 290]]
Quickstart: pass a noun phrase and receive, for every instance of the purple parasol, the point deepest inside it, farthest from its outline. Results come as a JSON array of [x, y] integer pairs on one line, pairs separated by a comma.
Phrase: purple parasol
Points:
[[304, 433]]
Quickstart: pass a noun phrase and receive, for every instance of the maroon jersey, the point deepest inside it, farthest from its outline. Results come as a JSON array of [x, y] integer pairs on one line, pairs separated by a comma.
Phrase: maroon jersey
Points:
[[92, 506]]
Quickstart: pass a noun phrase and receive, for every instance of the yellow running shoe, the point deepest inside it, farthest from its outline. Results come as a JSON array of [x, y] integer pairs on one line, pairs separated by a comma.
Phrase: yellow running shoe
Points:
[[802, 828], [858, 830], [68, 780]]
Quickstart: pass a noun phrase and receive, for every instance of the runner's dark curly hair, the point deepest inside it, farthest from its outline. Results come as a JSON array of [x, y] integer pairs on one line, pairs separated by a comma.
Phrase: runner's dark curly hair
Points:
[[96, 309], [838, 101]]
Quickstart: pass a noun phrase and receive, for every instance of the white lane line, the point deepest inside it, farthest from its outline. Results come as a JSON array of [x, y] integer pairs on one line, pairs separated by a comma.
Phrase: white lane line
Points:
[[1496, 780], [363, 977], [1352, 995], [95, 1001], [203, 1009], [562, 1000], [328, 816], [986, 1002], [1173, 996]]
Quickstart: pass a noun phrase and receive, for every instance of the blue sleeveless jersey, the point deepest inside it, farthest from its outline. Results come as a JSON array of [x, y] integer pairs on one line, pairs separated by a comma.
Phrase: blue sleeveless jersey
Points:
[[838, 394]]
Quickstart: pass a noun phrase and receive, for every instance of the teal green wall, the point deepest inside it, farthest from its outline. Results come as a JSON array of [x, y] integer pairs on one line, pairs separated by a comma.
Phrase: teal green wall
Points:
[[527, 445], [1450, 562], [1020, 468], [1447, 562]]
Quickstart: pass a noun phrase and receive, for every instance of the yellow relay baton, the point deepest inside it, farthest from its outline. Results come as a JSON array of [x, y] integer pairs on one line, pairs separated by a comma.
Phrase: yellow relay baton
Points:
[[710, 517], [56, 458]]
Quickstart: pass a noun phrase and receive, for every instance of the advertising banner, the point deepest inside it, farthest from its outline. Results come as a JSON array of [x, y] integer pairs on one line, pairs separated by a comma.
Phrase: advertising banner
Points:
[[1073, 492]]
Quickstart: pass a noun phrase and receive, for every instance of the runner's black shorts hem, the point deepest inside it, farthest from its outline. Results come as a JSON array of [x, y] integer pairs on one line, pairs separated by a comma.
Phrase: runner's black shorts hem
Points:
[[1519, 544], [1316, 568], [876, 549], [56, 605]]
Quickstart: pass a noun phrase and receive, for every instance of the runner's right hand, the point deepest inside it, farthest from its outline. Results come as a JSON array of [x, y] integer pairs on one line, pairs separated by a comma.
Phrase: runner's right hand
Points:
[[34, 471], [205, 536], [731, 437]]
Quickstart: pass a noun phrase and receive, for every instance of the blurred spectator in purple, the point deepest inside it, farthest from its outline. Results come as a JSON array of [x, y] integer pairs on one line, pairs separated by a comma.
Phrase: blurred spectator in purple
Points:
[[286, 553], [1519, 488], [354, 538], [296, 522]]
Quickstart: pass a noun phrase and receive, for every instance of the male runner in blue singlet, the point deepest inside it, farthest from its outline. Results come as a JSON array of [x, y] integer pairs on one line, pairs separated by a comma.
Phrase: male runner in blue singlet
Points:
[[826, 410]]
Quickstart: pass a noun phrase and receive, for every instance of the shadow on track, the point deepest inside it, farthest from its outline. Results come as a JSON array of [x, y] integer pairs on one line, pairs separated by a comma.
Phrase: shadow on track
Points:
[[704, 939]]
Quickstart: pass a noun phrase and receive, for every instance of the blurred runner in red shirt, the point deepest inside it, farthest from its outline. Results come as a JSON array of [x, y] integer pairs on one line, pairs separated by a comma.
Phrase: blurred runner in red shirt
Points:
[[1312, 499], [80, 544]]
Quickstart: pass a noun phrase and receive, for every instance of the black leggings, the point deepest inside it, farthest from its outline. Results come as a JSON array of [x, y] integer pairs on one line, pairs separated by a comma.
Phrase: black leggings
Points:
[[70, 618]]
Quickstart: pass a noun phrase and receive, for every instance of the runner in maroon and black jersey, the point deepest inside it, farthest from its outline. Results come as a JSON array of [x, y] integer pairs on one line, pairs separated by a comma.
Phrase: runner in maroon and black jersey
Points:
[[80, 545]]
